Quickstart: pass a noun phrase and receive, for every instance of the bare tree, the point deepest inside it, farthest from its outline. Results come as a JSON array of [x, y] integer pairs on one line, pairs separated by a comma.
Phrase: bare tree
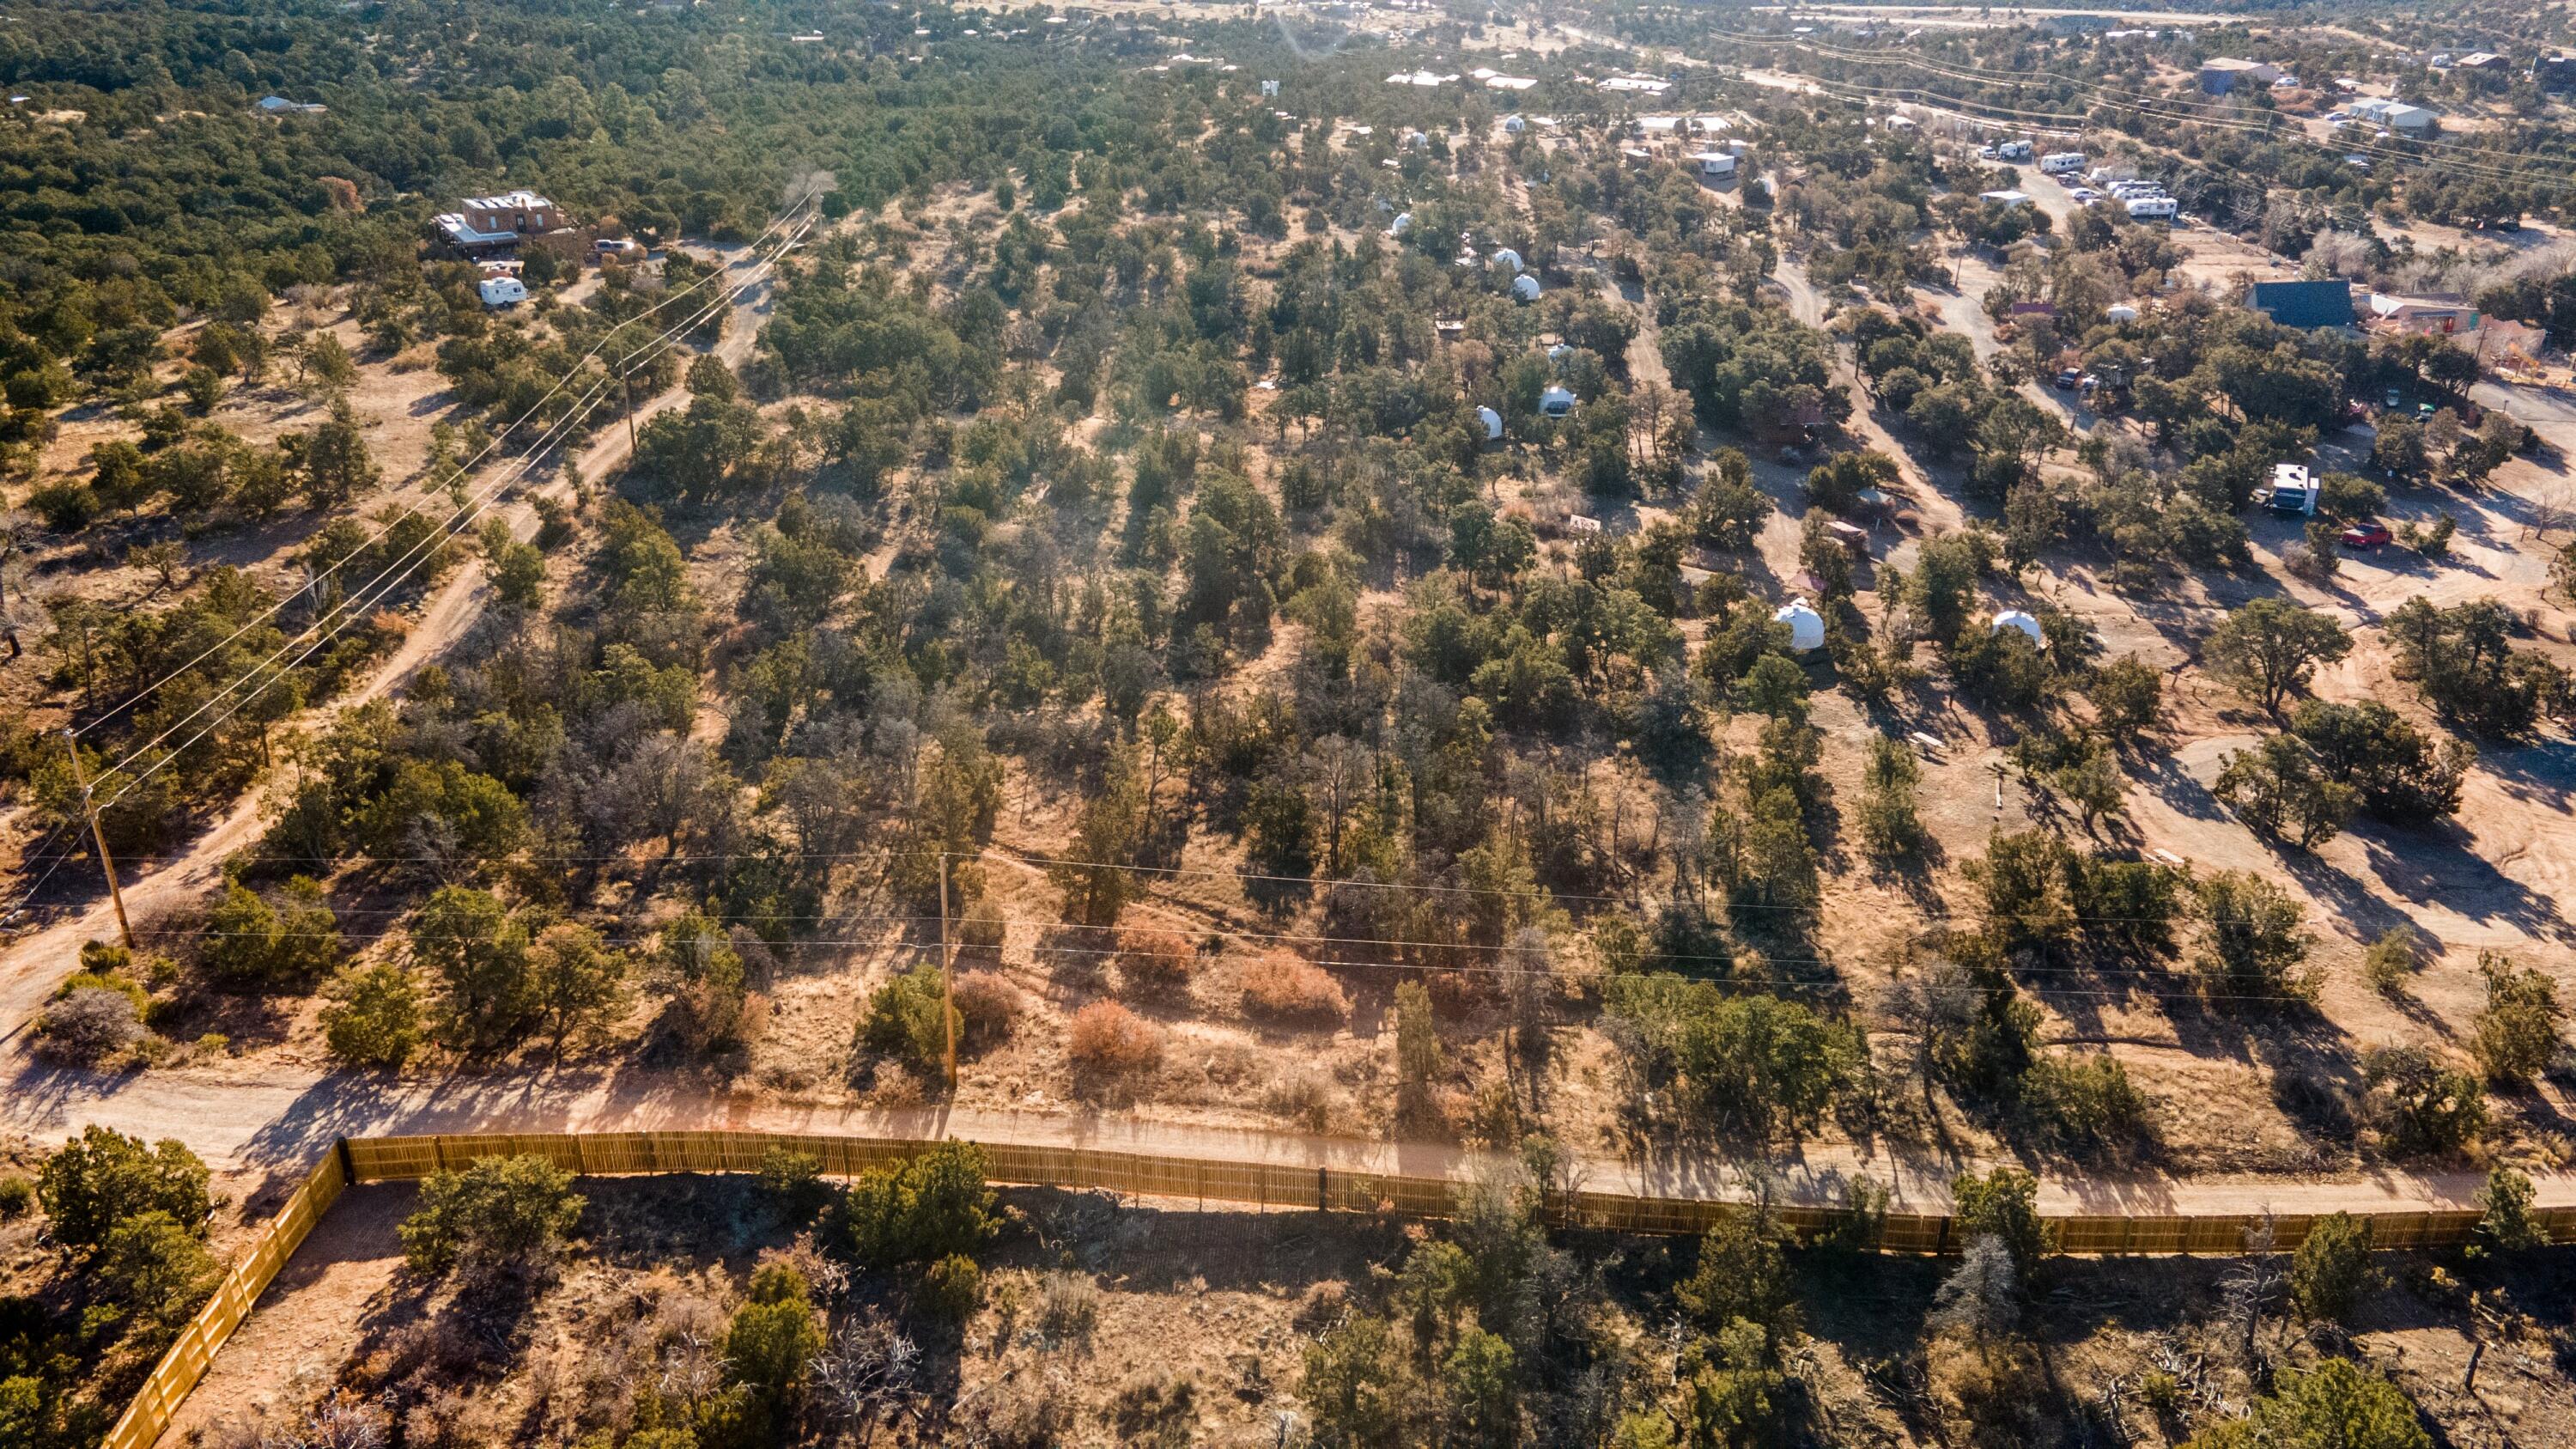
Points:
[[1982, 1296], [2253, 1283], [868, 1371], [1530, 957]]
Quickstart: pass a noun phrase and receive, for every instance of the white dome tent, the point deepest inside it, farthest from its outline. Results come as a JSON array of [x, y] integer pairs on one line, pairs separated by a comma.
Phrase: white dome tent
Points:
[[1806, 626], [1556, 402], [1403, 223], [2016, 619], [1493, 422], [1506, 257], [1514, 125], [1525, 287]]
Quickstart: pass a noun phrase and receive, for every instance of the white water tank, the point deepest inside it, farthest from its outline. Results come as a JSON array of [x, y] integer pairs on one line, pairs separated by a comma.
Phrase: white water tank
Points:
[[1806, 626]]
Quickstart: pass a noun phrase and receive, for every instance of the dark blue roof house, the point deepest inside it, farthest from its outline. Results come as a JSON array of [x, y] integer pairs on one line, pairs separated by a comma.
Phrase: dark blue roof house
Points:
[[2304, 304]]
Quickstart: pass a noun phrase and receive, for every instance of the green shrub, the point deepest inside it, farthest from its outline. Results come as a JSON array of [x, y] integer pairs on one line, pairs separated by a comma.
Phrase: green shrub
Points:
[[795, 1179], [907, 1018], [2392, 958], [2420, 1106], [2083, 1103], [2331, 1272], [952, 1288], [66, 505], [2336, 1405], [154, 1266], [102, 1177], [2517, 1034], [925, 1208], [2004, 1203], [502, 1216], [17, 1197], [2510, 1225], [373, 1019], [770, 1348], [1743, 1274]]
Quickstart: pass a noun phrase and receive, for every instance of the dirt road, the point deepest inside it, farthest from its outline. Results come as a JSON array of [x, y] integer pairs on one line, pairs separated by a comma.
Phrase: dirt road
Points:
[[30, 969], [282, 1124]]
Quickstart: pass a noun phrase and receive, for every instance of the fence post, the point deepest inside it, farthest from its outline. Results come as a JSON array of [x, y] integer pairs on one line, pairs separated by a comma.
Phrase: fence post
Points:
[[1323, 1202], [348, 1164]]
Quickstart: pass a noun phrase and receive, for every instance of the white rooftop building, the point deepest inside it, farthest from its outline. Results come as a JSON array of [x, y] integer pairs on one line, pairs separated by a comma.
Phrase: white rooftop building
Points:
[[1806, 626], [499, 221]]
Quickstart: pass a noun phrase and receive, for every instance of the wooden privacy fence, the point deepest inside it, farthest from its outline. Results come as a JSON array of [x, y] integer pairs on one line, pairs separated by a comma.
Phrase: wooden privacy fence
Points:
[[1261, 1184], [185, 1363]]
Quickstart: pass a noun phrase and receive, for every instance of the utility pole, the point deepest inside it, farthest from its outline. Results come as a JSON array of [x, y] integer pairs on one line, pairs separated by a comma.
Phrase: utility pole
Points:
[[106, 862], [947, 978], [626, 380]]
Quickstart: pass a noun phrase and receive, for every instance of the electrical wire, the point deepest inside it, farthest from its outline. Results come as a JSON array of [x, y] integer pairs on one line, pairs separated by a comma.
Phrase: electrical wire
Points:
[[458, 471], [348, 609], [1338, 963]]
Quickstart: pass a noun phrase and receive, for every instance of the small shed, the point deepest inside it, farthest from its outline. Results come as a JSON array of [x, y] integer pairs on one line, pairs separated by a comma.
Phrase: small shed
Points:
[[1806, 626], [1493, 422], [1556, 402], [1853, 538], [2016, 619], [1525, 287]]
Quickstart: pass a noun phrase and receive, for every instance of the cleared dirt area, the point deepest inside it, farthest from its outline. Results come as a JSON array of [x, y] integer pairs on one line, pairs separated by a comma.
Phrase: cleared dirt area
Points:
[[1130, 1319]]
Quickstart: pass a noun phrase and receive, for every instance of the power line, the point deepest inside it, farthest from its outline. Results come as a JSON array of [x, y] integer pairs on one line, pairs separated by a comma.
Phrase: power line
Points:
[[427, 548], [459, 471], [1338, 963], [386, 581], [1059, 862]]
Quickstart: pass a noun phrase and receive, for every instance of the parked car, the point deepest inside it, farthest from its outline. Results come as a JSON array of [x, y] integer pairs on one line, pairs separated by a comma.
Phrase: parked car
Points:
[[2085, 193], [2067, 377], [2366, 535], [2396, 398]]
